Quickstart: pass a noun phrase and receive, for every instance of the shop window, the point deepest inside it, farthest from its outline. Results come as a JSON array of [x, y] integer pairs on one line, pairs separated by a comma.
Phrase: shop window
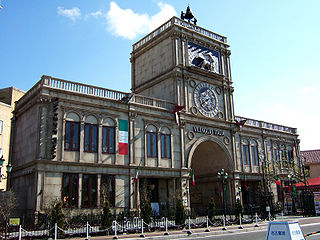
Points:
[[165, 146], [108, 189], [90, 137], [108, 140], [72, 136], [70, 190], [89, 191], [152, 144]]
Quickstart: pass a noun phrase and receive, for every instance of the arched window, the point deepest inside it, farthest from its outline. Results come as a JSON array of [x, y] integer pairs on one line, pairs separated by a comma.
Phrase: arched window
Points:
[[72, 132], [165, 143], [276, 155], [245, 152], [108, 136], [152, 139], [254, 153], [91, 134]]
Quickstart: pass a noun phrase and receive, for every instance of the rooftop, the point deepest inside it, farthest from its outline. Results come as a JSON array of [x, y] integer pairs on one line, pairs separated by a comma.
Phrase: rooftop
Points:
[[311, 156]]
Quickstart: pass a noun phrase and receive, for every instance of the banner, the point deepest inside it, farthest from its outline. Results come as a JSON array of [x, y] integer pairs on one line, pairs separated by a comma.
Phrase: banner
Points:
[[123, 137], [317, 202]]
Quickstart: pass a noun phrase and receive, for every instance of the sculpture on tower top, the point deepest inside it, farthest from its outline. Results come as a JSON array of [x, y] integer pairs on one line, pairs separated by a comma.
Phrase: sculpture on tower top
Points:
[[189, 16]]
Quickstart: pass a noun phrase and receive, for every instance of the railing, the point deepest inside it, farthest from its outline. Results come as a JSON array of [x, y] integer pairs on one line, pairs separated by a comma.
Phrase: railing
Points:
[[74, 87], [269, 126], [179, 22]]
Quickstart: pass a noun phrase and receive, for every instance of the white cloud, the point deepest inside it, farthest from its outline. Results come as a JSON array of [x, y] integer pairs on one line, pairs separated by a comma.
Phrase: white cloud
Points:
[[127, 24], [96, 14], [306, 90], [73, 13]]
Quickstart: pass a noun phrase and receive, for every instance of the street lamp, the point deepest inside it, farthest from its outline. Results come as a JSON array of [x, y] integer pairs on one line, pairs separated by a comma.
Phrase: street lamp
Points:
[[9, 168], [223, 176]]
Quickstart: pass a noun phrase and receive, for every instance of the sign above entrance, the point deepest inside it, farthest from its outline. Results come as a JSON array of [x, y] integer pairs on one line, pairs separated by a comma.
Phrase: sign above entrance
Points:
[[208, 131]]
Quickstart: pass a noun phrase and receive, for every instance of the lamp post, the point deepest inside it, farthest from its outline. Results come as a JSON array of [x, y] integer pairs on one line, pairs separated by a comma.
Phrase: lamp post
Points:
[[223, 176], [9, 169]]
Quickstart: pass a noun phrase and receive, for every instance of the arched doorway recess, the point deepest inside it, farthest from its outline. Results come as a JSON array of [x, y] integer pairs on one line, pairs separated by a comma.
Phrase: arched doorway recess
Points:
[[206, 158]]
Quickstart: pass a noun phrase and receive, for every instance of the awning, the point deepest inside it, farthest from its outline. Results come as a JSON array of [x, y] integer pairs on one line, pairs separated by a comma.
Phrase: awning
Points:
[[311, 184]]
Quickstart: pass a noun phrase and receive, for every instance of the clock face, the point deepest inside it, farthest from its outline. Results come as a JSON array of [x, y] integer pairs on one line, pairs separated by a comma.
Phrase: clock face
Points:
[[205, 99]]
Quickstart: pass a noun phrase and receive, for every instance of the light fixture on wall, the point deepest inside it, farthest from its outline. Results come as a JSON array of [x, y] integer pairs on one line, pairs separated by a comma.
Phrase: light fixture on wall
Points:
[[9, 168]]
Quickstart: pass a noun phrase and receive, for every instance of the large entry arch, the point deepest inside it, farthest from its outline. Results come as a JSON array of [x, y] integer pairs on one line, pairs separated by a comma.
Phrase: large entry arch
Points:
[[206, 158]]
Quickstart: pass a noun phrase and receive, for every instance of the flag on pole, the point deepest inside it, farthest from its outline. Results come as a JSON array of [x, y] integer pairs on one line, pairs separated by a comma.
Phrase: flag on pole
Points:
[[126, 99], [123, 137], [192, 177], [245, 180], [277, 181], [177, 110], [137, 175]]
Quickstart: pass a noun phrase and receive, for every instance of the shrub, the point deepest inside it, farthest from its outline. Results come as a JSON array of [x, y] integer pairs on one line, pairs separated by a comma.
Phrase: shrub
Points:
[[146, 211], [180, 214], [211, 210]]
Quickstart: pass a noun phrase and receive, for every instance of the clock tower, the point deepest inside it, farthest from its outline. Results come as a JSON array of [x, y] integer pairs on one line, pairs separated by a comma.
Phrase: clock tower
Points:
[[187, 65]]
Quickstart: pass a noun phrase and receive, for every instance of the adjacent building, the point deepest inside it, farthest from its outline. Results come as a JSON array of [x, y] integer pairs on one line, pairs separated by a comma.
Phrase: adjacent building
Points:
[[8, 96], [312, 162], [165, 140]]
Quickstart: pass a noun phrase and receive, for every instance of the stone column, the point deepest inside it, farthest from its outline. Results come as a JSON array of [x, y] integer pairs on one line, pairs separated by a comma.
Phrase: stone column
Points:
[[80, 190], [99, 203], [81, 139], [100, 137]]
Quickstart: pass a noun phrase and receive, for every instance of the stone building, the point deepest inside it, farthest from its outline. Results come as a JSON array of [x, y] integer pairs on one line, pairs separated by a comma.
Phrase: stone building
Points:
[[83, 144], [8, 96]]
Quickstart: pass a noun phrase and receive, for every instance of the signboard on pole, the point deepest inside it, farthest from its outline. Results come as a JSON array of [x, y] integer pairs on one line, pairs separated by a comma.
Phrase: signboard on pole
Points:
[[288, 203], [317, 202], [284, 231], [14, 221]]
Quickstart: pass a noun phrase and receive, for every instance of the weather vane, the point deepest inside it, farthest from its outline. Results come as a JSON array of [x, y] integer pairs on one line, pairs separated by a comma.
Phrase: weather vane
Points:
[[189, 16]]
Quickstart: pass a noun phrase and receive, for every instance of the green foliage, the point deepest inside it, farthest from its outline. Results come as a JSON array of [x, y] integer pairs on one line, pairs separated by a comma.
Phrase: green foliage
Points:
[[180, 214], [146, 211], [211, 210], [106, 218], [57, 215], [238, 208]]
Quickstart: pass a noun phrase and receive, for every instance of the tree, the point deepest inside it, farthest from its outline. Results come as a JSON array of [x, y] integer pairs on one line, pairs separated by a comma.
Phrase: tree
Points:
[[211, 210], [106, 218], [180, 214], [57, 215], [238, 208], [146, 211], [8, 202]]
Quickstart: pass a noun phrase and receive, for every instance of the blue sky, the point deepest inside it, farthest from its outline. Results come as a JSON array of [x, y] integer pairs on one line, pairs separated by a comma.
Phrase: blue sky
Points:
[[274, 45]]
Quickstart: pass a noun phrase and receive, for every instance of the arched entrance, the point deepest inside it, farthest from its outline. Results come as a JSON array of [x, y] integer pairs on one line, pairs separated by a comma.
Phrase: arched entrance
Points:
[[207, 158]]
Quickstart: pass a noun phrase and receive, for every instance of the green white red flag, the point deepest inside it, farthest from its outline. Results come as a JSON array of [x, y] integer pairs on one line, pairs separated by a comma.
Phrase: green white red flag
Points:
[[192, 178], [137, 175], [123, 137]]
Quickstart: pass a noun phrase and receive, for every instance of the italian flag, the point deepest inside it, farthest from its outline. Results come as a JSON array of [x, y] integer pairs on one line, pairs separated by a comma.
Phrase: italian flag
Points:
[[123, 137], [137, 175], [192, 177], [277, 181]]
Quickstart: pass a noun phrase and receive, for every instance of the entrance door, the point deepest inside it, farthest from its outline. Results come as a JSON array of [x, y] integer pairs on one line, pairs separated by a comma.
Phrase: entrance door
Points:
[[207, 160]]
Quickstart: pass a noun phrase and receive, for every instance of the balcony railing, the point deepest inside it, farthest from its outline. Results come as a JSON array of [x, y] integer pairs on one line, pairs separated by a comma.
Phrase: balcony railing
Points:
[[47, 81], [266, 125], [182, 23]]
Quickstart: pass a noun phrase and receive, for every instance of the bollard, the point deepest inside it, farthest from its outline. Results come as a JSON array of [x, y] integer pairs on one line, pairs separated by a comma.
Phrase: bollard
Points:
[[55, 231], [240, 220], [142, 234], [166, 233], [224, 223], [115, 229], [19, 232], [189, 231], [207, 230], [257, 225], [87, 231], [269, 215]]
